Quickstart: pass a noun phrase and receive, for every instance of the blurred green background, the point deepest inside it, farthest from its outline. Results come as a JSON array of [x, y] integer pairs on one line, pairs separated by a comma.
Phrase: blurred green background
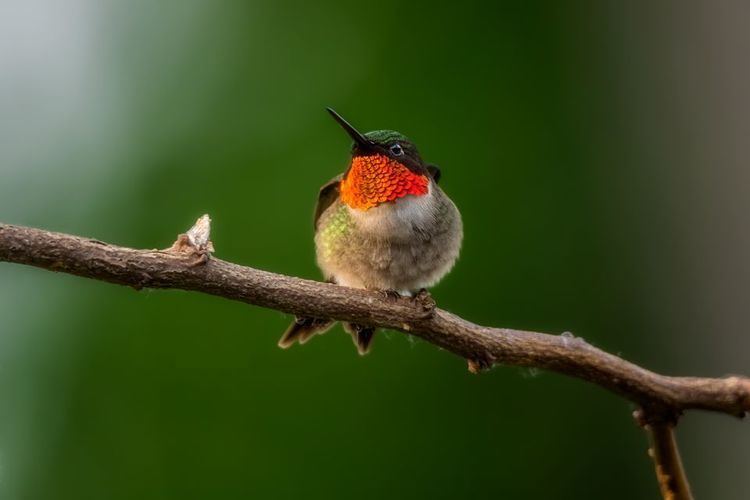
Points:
[[597, 150]]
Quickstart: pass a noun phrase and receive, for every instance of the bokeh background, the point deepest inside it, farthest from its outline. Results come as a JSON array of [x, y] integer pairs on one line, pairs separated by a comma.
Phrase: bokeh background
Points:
[[598, 152]]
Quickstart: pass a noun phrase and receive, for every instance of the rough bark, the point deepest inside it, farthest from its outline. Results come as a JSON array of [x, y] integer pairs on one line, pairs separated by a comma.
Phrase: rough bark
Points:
[[483, 346]]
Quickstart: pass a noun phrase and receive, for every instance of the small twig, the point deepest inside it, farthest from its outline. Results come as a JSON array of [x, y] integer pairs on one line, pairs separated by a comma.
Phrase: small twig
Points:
[[663, 450], [197, 241], [670, 472]]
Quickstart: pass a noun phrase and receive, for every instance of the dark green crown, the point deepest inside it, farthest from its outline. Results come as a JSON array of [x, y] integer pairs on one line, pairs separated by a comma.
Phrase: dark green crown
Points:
[[387, 136]]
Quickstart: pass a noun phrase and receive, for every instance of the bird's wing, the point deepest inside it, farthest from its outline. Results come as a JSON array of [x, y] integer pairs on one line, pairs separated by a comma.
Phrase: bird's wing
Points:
[[327, 195], [434, 172]]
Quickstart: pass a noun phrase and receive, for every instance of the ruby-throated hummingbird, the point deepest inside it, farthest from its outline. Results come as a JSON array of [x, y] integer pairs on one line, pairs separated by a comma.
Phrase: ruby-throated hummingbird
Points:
[[382, 225]]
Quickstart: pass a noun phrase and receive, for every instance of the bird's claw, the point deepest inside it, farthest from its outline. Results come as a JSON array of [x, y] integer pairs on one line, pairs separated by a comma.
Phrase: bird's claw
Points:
[[424, 299], [391, 294]]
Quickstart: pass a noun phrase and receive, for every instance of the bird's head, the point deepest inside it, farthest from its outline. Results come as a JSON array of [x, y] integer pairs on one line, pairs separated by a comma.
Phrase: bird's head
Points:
[[385, 168]]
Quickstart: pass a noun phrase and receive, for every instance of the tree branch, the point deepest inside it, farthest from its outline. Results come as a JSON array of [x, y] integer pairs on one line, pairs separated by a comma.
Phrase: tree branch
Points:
[[183, 267], [186, 265]]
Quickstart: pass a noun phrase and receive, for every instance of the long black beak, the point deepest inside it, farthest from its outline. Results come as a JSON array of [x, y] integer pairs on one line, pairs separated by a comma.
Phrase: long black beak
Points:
[[359, 139]]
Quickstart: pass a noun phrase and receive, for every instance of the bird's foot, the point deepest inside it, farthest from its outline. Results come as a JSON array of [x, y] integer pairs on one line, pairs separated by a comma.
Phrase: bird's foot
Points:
[[391, 294], [424, 299]]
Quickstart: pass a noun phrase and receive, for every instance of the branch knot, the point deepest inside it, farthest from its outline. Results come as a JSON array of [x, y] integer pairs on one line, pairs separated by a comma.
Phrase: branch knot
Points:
[[196, 242]]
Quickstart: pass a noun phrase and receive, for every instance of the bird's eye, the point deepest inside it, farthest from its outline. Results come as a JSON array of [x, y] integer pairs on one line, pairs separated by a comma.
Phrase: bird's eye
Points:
[[397, 150]]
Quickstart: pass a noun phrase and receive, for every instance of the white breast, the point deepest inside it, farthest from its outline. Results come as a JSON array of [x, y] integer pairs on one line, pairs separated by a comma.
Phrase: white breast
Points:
[[397, 220]]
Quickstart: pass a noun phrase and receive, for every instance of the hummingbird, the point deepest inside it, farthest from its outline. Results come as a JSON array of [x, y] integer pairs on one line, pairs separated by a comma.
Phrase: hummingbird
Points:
[[384, 224]]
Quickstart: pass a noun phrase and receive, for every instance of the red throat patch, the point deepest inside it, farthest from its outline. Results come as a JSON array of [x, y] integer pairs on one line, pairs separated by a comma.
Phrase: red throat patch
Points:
[[376, 179]]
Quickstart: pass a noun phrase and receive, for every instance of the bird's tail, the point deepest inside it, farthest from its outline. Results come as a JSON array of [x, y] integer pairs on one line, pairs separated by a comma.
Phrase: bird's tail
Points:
[[302, 329], [361, 335]]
